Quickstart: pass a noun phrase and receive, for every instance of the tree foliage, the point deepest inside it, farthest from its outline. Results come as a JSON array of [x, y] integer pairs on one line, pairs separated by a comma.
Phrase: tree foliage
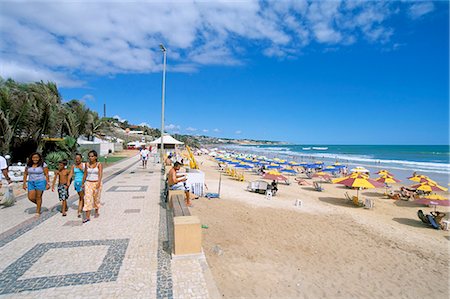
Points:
[[34, 111]]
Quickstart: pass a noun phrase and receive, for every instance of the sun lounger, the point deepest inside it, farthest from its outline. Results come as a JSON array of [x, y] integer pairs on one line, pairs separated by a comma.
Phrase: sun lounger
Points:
[[347, 197], [317, 187], [369, 203]]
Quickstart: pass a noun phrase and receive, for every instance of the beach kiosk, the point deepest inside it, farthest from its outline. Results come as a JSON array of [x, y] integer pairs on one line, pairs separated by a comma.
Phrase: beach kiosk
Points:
[[170, 143]]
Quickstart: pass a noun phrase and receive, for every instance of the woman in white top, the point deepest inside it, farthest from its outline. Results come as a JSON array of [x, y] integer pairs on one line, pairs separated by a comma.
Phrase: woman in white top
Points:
[[92, 185]]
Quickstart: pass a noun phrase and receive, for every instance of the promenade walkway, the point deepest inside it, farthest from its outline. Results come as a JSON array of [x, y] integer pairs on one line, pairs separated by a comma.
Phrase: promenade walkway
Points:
[[121, 254]]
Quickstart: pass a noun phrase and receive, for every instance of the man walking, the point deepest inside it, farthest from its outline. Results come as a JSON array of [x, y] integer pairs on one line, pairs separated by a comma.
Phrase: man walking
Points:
[[4, 173], [144, 156]]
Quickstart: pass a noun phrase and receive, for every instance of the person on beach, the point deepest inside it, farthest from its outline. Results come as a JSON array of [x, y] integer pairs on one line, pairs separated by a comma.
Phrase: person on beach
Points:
[[169, 160], [37, 173], [178, 182], [144, 156], [92, 185], [438, 216], [4, 174], [77, 170], [62, 174], [4, 171]]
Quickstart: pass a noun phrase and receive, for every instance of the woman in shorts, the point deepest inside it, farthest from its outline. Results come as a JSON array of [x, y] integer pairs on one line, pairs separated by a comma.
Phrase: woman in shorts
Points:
[[77, 173], [92, 185], [37, 173]]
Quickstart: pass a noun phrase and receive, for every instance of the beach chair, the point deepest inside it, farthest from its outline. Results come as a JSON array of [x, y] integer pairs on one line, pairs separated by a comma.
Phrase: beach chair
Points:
[[347, 197], [369, 203], [317, 187], [240, 176]]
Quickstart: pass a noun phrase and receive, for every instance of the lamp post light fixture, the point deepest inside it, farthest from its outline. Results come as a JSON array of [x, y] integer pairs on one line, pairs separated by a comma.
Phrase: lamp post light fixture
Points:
[[163, 49]]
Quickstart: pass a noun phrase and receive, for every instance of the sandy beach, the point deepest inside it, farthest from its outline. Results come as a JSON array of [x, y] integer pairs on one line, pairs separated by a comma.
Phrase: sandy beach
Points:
[[327, 248]]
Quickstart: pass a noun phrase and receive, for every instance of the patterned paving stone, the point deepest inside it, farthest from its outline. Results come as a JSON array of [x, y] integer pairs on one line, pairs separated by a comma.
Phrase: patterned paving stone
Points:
[[127, 189], [10, 278]]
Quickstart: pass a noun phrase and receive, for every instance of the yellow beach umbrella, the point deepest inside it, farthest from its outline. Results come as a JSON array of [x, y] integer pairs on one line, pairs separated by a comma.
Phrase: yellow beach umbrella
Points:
[[359, 182], [353, 175], [274, 172], [429, 187], [421, 179], [435, 197], [387, 179]]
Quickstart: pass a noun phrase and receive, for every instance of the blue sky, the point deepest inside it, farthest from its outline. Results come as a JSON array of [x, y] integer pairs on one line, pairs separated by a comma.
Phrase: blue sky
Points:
[[326, 72]]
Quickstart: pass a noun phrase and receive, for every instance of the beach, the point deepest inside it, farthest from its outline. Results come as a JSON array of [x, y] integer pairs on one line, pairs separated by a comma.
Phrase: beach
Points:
[[259, 248]]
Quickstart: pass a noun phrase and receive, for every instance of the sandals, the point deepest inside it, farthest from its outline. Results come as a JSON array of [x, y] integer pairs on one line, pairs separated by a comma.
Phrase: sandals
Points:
[[86, 220], [64, 214]]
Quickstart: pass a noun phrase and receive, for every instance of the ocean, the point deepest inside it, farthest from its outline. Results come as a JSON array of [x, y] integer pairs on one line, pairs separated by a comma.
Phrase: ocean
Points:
[[401, 160]]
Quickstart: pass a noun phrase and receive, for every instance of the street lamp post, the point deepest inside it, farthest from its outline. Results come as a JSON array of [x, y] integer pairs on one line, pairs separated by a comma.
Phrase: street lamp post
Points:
[[163, 49]]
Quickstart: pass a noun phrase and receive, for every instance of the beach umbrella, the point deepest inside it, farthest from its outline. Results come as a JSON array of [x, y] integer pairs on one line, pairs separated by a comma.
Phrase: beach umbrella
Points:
[[322, 175], [420, 179], [384, 172], [330, 169], [352, 175], [387, 179], [430, 202], [435, 196], [274, 177], [288, 170], [429, 187], [293, 163], [273, 166], [339, 166], [246, 166], [360, 169], [359, 182]]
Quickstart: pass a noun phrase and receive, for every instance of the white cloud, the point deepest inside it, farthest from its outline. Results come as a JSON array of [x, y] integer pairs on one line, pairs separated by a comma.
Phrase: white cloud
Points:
[[190, 129], [88, 98], [172, 128], [420, 9], [95, 38], [205, 130], [144, 124], [119, 118], [216, 130], [238, 132]]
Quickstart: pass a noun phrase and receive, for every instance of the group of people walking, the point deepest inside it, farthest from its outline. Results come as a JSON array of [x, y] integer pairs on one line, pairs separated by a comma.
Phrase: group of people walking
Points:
[[86, 177]]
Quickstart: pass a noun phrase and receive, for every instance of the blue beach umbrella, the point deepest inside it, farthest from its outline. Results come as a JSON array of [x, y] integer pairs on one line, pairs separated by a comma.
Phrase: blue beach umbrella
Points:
[[244, 166], [273, 166]]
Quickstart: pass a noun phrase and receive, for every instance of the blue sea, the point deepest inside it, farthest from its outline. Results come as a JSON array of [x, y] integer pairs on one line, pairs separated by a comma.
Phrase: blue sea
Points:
[[401, 160]]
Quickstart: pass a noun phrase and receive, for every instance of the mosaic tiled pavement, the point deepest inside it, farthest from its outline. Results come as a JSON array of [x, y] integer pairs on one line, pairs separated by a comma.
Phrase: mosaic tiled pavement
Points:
[[124, 253]]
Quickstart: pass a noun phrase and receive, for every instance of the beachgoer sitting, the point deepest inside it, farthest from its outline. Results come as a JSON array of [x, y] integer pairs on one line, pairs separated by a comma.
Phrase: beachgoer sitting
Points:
[[274, 187], [438, 216], [177, 182]]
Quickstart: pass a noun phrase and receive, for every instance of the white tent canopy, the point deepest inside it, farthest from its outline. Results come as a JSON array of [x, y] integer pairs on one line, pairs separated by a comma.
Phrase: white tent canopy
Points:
[[167, 140]]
